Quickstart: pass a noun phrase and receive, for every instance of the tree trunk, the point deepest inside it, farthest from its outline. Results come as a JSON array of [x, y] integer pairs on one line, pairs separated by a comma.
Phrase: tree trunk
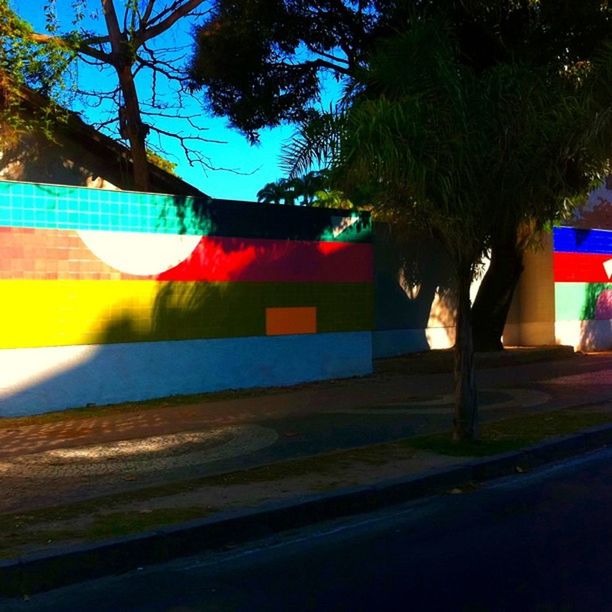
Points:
[[494, 297], [465, 422], [122, 59], [135, 129]]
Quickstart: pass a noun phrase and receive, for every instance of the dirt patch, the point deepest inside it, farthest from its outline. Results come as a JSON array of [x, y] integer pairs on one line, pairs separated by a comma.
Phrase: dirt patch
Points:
[[43, 530]]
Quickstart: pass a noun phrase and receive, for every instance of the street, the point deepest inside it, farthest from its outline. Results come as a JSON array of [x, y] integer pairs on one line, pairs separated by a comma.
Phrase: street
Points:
[[538, 541]]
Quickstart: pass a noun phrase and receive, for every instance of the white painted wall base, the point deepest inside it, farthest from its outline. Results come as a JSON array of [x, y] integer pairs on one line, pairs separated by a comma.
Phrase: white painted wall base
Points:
[[585, 335], [33, 381]]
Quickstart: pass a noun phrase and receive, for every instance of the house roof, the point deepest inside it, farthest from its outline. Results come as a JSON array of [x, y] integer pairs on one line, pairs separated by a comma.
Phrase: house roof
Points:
[[100, 144]]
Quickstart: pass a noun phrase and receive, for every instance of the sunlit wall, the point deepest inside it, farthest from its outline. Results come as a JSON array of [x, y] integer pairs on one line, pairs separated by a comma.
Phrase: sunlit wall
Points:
[[583, 275], [112, 295]]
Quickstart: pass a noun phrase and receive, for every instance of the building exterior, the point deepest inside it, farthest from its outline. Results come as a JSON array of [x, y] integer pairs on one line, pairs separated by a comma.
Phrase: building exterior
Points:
[[565, 292], [76, 155]]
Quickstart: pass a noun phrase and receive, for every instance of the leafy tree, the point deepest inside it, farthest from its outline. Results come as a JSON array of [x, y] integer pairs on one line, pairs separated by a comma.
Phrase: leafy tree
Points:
[[259, 62], [20, 63], [556, 38], [433, 141], [124, 43]]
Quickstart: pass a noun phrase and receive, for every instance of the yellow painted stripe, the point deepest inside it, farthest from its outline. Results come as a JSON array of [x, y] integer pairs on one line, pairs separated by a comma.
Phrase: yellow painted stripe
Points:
[[65, 312], [55, 313]]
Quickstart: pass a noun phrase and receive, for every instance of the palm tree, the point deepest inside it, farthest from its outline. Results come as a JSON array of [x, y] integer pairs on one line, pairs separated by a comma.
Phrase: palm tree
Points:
[[302, 189], [272, 193]]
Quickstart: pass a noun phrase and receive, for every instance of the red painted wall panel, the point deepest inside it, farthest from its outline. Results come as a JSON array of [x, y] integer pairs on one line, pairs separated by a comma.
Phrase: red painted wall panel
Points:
[[582, 267], [61, 254]]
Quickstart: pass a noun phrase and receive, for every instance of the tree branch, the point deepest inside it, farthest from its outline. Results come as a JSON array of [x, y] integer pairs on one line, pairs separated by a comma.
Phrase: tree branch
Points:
[[321, 63], [176, 11], [96, 54], [112, 24], [328, 56], [81, 47], [147, 14]]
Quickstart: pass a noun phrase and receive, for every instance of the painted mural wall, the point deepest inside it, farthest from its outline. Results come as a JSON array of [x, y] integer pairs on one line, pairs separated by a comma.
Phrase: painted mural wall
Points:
[[565, 292], [583, 274], [111, 295]]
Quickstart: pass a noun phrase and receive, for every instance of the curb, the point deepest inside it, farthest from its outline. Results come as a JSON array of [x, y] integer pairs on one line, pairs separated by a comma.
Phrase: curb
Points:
[[43, 572]]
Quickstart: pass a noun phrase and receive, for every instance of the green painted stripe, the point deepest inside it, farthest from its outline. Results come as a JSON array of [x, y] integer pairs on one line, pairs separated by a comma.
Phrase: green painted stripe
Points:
[[224, 310], [577, 301]]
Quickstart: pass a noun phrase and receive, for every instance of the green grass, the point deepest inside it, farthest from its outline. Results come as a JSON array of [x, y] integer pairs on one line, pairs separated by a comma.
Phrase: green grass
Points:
[[21, 529], [513, 433], [114, 524], [102, 526]]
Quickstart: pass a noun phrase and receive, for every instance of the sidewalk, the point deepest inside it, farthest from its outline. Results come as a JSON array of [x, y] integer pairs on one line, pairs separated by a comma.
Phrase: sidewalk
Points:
[[77, 477]]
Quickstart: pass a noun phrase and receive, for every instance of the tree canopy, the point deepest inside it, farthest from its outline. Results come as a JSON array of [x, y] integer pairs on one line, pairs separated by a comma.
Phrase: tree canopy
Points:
[[452, 150], [259, 61], [306, 190]]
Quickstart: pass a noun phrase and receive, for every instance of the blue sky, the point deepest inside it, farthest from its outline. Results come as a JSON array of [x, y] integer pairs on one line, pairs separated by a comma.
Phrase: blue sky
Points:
[[246, 168]]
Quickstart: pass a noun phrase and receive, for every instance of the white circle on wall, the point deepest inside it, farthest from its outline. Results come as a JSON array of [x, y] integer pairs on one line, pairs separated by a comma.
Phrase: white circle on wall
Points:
[[138, 253]]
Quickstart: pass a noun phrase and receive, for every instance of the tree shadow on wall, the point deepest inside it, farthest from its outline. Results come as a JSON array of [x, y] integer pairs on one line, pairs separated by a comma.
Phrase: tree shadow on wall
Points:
[[184, 311], [32, 159], [414, 287], [596, 318]]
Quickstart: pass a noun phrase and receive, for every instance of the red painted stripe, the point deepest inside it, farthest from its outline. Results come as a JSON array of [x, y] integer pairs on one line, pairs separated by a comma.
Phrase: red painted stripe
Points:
[[581, 267], [61, 254], [222, 259]]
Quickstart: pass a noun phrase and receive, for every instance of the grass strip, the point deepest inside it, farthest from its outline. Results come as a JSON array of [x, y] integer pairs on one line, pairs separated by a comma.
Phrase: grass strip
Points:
[[513, 433]]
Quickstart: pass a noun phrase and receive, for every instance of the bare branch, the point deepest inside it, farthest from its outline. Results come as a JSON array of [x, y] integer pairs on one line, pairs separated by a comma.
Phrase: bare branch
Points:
[[328, 56], [147, 14], [160, 67], [175, 12], [184, 138]]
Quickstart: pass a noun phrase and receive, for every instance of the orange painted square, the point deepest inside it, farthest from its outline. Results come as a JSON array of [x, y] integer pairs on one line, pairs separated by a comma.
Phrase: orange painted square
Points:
[[285, 321]]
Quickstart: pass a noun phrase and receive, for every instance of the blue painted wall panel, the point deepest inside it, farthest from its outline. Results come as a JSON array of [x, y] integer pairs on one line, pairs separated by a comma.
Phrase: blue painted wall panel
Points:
[[571, 240]]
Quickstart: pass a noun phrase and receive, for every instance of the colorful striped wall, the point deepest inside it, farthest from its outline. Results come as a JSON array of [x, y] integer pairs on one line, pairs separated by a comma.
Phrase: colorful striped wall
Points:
[[582, 266], [565, 292], [112, 295]]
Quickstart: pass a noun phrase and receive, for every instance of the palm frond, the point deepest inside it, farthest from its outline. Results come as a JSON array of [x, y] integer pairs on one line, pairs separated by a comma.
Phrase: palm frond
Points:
[[313, 145]]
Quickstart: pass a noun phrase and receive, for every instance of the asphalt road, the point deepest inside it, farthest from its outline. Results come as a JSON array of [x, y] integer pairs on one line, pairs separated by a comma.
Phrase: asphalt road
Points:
[[540, 541]]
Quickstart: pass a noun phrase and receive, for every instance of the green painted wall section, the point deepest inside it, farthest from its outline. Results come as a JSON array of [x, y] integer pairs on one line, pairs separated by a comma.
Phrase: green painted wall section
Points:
[[576, 301]]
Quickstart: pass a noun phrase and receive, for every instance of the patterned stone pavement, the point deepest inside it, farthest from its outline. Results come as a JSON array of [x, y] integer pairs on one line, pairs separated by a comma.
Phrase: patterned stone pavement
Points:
[[77, 457]]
